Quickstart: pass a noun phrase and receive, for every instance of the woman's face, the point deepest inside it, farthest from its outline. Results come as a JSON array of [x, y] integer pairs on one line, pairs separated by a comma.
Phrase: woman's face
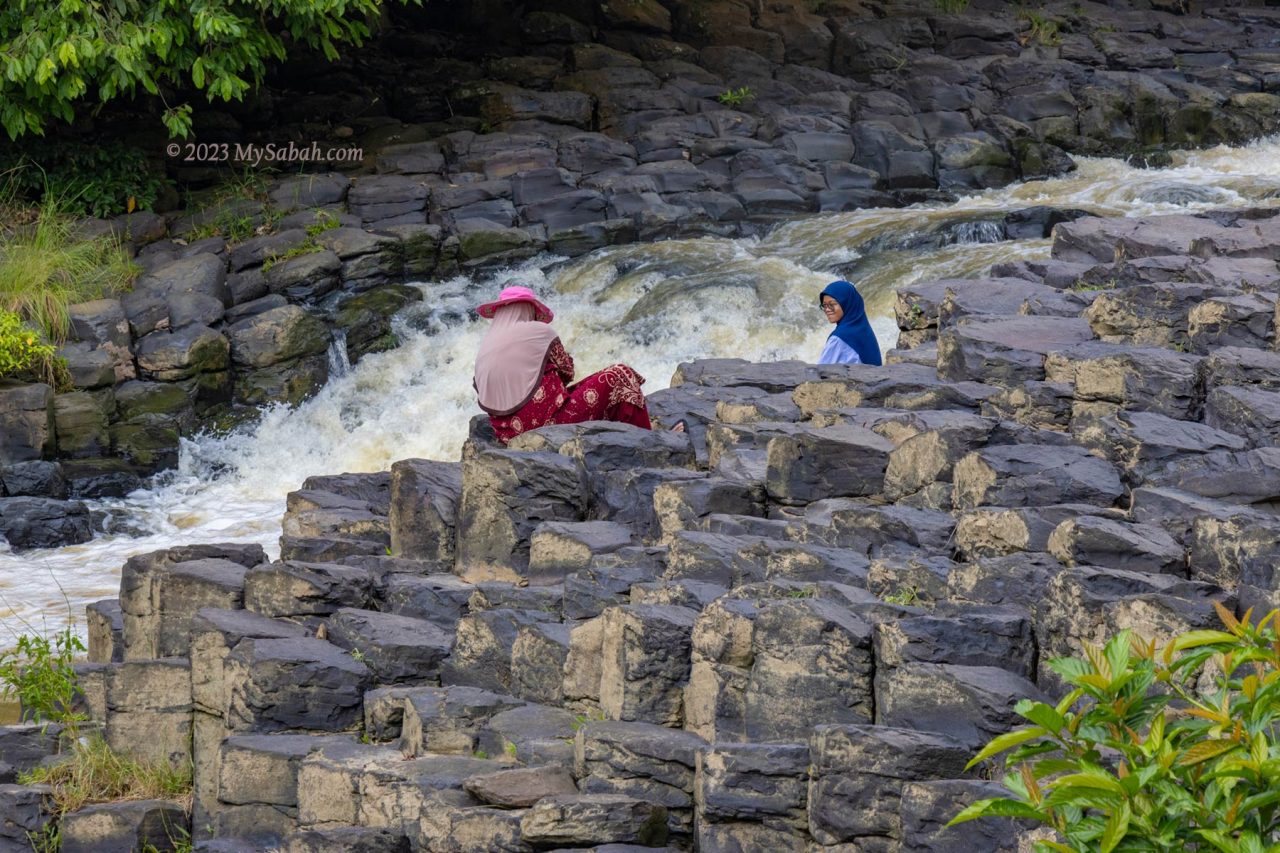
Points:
[[832, 309]]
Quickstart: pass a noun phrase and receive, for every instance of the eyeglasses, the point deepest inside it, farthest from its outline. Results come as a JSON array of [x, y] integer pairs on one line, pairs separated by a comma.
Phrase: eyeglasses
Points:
[[829, 306]]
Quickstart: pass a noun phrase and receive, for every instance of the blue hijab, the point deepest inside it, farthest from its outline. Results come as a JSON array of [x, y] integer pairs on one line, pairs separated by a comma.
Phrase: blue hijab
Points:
[[854, 328]]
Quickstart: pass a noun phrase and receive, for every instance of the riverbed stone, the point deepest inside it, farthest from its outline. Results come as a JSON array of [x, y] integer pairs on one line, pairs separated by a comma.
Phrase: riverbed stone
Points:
[[645, 662], [505, 494], [1095, 541], [299, 589], [43, 523], [482, 648], [538, 658], [448, 720], [26, 421], [558, 548], [808, 464], [1034, 475], [1148, 379], [858, 773], [160, 598], [396, 649], [593, 819], [1004, 350], [282, 684], [1088, 604], [423, 509]]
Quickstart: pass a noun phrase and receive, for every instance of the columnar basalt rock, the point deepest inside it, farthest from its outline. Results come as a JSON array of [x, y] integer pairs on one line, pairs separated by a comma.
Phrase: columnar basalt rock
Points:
[[791, 628]]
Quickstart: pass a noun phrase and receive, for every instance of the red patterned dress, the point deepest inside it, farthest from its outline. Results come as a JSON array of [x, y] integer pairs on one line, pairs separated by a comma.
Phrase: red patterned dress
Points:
[[613, 394]]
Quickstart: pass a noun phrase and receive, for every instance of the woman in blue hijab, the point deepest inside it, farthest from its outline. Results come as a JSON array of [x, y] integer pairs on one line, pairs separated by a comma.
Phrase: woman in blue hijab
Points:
[[852, 341]]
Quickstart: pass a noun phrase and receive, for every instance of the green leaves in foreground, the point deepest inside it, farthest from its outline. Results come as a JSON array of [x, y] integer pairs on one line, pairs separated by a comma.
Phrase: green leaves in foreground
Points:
[[1171, 749], [59, 55]]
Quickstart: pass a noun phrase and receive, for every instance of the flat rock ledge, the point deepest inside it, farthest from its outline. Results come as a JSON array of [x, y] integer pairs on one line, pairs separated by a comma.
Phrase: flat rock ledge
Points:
[[569, 127], [787, 629]]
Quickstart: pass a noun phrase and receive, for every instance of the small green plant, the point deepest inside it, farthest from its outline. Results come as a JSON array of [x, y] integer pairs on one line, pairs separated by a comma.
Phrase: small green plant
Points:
[[1042, 29], [325, 221], [736, 97], [47, 840], [356, 655], [179, 841], [905, 595], [1082, 285], [593, 716], [22, 353], [1154, 750], [510, 749], [480, 753], [38, 673], [304, 248], [951, 7], [233, 227], [803, 592]]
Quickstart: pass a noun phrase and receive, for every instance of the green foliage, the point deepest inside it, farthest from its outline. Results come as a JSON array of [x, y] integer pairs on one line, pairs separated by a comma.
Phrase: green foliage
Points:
[[325, 223], [47, 266], [736, 97], [1166, 750], [58, 57], [38, 673], [22, 353], [95, 773], [905, 595], [1042, 29], [94, 179], [952, 7], [47, 840]]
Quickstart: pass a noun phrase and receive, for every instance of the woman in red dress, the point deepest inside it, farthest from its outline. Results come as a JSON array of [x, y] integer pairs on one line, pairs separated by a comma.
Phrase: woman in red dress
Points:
[[523, 374]]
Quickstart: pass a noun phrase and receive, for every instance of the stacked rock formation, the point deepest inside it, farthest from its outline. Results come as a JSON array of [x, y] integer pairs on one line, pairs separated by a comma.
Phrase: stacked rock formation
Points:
[[592, 125], [788, 629]]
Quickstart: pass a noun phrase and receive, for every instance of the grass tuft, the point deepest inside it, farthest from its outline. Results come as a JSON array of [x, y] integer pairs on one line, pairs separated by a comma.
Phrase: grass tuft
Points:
[[95, 773], [46, 265]]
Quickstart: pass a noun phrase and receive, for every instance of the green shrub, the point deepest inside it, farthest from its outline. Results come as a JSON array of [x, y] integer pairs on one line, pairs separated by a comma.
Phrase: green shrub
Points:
[[61, 56], [736, 97], [22, 352], [38, 673], [95, 179], [46, 266], [1171, 749], [1043, 29]]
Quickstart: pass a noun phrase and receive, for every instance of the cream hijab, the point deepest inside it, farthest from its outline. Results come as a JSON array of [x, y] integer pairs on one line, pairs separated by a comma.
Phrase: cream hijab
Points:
[[511, 358]]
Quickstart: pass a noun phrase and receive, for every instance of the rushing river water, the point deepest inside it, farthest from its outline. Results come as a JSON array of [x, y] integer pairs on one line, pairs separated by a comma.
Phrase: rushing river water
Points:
[[650, 305]]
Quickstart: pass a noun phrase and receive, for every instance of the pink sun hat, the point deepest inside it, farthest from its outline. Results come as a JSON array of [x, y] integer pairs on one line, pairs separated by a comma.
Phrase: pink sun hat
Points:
[[516, 294]]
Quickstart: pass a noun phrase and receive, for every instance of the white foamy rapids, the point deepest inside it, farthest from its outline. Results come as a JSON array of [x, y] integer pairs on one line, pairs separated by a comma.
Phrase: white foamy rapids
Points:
[[650, 305]]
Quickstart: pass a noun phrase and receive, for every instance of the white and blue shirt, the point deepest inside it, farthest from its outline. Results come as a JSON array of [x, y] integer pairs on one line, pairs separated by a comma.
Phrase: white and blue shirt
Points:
[[838, 352]]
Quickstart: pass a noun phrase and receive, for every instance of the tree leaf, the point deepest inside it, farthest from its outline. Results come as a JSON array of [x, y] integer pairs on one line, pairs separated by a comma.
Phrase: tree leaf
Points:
[[1206, 750], [1006, 741]]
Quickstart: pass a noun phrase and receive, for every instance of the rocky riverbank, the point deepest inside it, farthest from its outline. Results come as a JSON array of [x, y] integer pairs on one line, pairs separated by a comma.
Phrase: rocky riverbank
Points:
[[786, 630], [576, 127]]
